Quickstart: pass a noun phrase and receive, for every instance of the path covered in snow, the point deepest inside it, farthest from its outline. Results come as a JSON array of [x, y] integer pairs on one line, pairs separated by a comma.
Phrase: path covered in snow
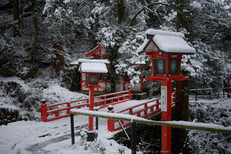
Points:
[[55, 136]]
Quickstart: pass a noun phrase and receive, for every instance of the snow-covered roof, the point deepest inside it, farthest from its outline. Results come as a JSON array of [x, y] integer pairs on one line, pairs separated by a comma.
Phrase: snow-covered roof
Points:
[[93, 67], [93, 51], [82, 60], [229, 67], [172, 45], [166, 33], [166, 42]]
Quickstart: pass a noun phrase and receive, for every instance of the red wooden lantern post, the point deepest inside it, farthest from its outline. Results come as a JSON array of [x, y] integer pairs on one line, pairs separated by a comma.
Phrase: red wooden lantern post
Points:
[[92, 71], [229, 78], [165, 49]]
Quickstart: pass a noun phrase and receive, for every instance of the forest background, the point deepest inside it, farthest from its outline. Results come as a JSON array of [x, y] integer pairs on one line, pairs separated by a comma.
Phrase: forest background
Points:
[[42, 37]]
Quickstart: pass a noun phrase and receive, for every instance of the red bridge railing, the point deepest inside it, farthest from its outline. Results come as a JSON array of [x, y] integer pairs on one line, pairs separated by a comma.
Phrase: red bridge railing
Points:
[[143, 110], [62, 110]]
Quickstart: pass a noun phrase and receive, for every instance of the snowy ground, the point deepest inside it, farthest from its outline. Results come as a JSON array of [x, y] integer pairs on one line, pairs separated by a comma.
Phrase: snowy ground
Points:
[[54, 137]]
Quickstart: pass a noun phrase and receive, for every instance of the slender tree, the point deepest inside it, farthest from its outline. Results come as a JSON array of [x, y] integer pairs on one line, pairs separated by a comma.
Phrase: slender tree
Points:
[[16, 31]]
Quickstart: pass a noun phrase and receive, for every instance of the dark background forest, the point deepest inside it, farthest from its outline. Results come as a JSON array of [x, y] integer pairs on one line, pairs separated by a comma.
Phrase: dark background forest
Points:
[[46, 36], [40, 38]]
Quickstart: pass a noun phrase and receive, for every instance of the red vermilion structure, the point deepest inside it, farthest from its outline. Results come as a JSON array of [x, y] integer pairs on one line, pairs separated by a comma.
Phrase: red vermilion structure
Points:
[[99, 54], [91, 104], [62, 108], [229, 78], [166, 50]]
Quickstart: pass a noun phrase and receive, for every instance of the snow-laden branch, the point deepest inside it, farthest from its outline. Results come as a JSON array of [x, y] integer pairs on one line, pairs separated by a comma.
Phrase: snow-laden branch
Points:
[[176, 124], [146, 7]]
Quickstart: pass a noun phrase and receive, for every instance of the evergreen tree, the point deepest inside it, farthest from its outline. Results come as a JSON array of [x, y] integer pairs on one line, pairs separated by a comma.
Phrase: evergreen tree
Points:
[[206, 26], [112, 56]]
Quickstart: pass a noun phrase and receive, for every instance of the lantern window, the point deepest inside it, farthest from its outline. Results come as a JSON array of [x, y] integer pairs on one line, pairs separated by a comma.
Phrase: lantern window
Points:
[[160, 66]]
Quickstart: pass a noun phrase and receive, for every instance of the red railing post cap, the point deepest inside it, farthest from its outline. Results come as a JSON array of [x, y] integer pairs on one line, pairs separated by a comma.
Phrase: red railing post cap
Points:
[[43, 101]]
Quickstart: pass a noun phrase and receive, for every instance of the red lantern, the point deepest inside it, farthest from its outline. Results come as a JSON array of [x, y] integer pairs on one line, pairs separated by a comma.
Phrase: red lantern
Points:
[[166, 50]]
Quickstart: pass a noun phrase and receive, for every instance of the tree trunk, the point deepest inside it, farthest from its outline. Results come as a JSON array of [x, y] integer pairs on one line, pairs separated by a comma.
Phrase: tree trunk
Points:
[[181, 113], [120, 4], [36, 33], [16, 18], [21, 11]]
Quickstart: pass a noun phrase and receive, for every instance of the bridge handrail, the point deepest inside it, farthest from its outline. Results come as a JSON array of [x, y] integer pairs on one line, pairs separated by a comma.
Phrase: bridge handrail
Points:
[[124, 95], [111, 123]]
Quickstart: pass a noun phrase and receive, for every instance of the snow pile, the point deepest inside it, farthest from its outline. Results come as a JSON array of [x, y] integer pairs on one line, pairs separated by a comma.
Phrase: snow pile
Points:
[[93, 67], [26, 97], [165, 33], [210, 111], [55, 138], [173, 44]]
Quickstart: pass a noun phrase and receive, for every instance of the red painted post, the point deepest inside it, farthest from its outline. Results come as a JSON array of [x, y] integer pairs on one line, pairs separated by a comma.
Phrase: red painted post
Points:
[[43, 112], [110, 122], [68, 110], [166, 116], [56, 113], [130, 93], [118, 99], [130, 111], [91, 107], [158, 104], [229, 86]]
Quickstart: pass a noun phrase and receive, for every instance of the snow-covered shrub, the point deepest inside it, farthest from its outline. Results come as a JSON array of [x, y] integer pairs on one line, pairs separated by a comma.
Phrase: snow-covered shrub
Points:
[[96, 146], [9, 115], [210, 112]]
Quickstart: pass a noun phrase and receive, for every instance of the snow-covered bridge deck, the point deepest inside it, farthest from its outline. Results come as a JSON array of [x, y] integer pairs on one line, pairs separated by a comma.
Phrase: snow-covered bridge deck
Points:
[[139, 108], [121, 102]]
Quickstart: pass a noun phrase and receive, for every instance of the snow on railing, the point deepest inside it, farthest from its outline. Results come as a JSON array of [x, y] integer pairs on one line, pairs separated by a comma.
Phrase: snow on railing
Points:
[[113, 98], [62, 110], [144, 110]]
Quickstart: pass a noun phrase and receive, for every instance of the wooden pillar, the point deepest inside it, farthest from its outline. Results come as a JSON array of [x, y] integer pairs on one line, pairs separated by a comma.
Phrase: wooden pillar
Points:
[[179, 142], [166, 116], [91, 107]]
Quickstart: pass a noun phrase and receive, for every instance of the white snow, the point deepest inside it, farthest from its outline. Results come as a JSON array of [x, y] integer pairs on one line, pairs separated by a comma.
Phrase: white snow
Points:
[[167, 42], [141, 48], [165, 33], [229, 68], [54, 137], [173, 44], [82, 60], [93, 68]]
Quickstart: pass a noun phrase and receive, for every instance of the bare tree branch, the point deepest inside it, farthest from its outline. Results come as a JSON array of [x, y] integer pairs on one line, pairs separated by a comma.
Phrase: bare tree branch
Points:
[[147, 7]]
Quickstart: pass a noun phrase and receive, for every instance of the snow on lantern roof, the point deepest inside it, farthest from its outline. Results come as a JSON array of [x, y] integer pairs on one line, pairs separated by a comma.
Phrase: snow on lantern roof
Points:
[[93, 68], [165, 42], [229, 68], [82, 60], [172, 45], [166, 33]]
